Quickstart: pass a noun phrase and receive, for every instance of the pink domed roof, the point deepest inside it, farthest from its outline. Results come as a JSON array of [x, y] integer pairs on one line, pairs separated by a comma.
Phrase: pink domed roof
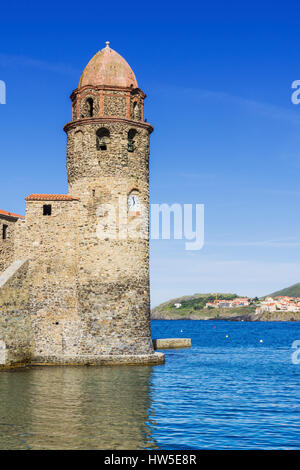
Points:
[[107, 67]]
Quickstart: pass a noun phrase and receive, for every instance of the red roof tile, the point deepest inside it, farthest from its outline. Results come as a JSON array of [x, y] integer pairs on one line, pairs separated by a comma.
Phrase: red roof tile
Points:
[[11, 214], [51, 197]]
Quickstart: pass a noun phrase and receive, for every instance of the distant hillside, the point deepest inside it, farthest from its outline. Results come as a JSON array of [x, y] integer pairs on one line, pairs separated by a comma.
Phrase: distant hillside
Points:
[[193, 308], [292, 291]]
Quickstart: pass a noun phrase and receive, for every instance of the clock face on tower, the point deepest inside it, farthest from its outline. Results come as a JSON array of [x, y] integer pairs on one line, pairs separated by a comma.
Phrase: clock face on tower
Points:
[[133, 203]]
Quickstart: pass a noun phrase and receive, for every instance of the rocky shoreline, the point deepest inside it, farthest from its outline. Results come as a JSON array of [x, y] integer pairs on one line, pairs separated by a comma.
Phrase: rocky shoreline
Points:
[[229, 316]]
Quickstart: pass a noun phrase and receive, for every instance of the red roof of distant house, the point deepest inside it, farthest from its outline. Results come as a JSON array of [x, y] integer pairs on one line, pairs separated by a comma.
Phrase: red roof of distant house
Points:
[[51, 197], [11, 214]]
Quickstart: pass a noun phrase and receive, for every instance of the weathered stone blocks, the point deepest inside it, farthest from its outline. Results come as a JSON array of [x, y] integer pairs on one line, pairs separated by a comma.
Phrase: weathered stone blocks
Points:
[[84, 297]]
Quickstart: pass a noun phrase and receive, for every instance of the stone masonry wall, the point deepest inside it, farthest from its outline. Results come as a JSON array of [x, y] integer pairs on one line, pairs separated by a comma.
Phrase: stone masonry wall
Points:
[[114, 105], [16, 339], [113, 274], [51, 246], [7, 245], [83, 293]]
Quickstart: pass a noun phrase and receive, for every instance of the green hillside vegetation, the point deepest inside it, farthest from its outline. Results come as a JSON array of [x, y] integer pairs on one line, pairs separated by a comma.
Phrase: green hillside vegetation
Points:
[[193, 307], [292, 291], [198, 303]]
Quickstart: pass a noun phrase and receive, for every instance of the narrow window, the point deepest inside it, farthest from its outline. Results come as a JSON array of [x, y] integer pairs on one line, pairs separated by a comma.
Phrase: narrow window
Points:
[[93, 192], [90, 107], [47, 209], [4, 232], [134, 110]]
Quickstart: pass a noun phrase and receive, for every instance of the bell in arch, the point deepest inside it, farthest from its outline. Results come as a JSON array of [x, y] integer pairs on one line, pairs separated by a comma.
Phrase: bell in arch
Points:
[[102, 143], [130, 145]]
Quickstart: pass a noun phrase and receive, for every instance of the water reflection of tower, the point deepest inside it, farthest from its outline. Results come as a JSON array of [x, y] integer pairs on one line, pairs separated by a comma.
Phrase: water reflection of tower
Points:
[[91, 408]]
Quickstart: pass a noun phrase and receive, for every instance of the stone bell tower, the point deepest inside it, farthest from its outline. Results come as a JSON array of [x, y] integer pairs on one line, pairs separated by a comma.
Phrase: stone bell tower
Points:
[[108, 171]]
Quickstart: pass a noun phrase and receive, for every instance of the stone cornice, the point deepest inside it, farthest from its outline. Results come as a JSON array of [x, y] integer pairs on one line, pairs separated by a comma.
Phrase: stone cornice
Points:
[[104, 120]]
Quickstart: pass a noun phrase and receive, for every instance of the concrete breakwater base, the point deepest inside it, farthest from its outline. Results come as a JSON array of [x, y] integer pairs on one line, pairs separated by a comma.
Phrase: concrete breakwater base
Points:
[[172, 343]]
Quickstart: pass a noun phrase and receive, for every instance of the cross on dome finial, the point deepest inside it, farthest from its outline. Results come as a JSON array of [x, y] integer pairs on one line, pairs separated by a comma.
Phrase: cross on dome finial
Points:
[[107, 43]]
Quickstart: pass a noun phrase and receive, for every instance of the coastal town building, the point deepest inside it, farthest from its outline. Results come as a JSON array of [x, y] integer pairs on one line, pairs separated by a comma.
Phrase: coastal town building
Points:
[[74, 272], [280, 303], [230, 303]]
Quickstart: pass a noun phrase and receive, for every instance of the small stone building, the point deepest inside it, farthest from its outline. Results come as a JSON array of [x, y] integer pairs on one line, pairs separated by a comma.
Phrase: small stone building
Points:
[[74, 272]]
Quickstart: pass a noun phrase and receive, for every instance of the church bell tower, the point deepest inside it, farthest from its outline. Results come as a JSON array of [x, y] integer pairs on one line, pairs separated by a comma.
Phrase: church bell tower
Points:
[[108, 171]]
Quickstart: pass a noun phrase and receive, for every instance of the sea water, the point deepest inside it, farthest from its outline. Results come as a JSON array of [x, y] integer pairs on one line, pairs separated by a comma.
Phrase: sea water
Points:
[[236, 388]]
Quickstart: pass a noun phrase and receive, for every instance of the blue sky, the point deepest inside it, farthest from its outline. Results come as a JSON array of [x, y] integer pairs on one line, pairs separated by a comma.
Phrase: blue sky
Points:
[[218, 79]]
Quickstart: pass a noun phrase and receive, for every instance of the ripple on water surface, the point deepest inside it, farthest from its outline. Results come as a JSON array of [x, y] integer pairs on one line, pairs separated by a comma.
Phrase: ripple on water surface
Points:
[[229, 391]]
